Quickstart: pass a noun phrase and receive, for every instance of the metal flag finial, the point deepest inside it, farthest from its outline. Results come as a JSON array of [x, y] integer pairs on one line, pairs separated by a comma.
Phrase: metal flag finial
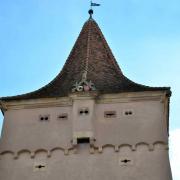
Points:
[[91, 8]]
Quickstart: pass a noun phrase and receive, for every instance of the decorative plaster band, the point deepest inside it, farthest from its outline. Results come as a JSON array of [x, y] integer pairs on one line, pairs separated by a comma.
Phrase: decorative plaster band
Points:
[[92, 149]]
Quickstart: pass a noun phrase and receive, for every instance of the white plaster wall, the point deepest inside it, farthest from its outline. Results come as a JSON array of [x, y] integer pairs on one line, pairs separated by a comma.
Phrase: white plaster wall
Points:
[[146, 165], [83, 124], [146, 124], [23, 130]]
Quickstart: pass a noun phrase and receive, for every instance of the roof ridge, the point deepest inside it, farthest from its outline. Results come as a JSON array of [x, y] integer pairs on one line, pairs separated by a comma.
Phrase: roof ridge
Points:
[[88, 49], [113, 59]]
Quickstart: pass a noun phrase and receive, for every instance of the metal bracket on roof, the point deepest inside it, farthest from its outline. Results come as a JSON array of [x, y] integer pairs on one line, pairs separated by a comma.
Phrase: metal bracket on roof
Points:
[[83, 85]]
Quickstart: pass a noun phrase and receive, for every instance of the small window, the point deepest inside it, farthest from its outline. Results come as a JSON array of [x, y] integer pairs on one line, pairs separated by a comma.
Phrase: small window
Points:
[[39, 167], [84, 111], [125, 162], [110, 114], [44, 117], [128, 112], [63, 116]]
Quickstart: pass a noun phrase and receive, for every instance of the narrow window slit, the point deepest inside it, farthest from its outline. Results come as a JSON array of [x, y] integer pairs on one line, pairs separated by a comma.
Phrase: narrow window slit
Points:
[[110, 114], [40, 166], [63, 116], [126, 161]]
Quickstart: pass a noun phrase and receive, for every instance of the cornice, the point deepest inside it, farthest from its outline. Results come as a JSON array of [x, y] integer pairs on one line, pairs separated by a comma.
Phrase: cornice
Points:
[[131, 97], [38, 103], [68, 101]]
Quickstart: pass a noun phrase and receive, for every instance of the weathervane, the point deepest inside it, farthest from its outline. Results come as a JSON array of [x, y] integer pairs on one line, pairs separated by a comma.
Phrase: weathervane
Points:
[[92, 4]]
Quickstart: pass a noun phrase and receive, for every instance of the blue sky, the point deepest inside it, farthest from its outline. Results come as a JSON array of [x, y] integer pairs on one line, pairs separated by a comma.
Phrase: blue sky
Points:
[[36, 37]]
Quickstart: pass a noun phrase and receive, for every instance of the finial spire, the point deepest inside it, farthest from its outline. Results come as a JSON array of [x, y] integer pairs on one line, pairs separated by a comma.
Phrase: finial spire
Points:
[[90, 13], [91, 10]]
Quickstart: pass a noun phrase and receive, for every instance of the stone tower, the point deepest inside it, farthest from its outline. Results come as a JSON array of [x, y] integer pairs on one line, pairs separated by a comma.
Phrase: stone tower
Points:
[[90, 122]]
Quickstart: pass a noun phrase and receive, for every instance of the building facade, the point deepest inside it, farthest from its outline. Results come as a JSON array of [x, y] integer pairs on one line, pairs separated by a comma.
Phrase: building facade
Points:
[[91, 122]]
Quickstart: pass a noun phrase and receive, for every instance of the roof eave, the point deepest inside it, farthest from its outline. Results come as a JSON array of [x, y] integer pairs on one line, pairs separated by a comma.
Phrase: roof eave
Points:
[[31, 95]]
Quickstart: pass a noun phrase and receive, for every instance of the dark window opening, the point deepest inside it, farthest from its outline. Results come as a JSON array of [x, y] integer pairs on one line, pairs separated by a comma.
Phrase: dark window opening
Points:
[[84, 111], [40, 166], [110, 114], [44, 118], [63, 116], [83, 140], [126, 161], [127, 113], [41, 118]]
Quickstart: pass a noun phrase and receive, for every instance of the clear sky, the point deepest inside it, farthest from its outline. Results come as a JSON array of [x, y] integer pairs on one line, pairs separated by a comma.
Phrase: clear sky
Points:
[[36, 37]]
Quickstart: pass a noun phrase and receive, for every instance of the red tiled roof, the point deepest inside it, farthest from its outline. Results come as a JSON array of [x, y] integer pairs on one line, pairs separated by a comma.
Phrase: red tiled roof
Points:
[[91, 53]]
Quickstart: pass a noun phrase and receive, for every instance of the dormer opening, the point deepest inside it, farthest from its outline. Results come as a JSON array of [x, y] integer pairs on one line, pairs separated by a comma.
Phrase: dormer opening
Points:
[[83, 140]]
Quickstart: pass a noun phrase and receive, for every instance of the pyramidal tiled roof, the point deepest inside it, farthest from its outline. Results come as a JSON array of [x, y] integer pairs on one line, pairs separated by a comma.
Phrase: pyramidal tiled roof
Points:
[[90, 54]]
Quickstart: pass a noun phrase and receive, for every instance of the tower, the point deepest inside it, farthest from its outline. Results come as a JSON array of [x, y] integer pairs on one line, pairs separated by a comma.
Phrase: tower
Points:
[[90, 122]]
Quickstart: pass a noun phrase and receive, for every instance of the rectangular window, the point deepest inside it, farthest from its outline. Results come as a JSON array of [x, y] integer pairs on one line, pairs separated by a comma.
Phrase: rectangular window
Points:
[[63, 116], [110, 114], [84, 140]]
